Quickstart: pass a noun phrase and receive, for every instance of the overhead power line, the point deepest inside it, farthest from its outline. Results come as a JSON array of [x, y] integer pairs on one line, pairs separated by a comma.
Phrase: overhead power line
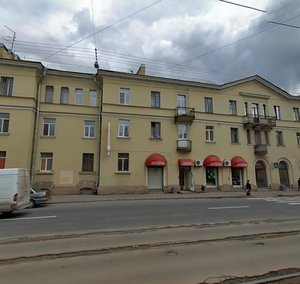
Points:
[[244, 6], [282, 24], [105, 28]]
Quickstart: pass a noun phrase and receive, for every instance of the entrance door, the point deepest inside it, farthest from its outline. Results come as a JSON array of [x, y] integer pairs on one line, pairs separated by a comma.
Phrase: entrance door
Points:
[[237, 177], [212, 177], [186, 178], [261, 175], [155, 177], [283, 174]]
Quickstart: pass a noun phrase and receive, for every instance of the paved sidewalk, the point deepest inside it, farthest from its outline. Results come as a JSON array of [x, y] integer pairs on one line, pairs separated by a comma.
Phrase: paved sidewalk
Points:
[[180, 195]]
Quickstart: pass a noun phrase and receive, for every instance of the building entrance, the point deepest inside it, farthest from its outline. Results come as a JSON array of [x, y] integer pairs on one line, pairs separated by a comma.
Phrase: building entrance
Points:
[[261, 175]]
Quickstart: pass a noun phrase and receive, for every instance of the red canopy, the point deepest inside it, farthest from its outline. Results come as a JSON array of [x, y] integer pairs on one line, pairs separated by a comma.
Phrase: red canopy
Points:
[[185, 163], [212, 161], [156, 160], [238, 162]]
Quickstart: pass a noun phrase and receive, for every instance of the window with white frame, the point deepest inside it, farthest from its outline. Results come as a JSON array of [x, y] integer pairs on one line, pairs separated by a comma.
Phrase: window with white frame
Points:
[[232, 107], [296, 114], [46, 162], [4, 122], [49, 127], [124, 96], [277, 112], [2, 159], [155, 130], [93, 98], [182, 131], [64, 95], [49, 94], [298, 138], [234, 132], [89, 129], [208, 105], [123, 162], [279, 138], [6, 86], [209, 134], [78, 96], [87, 162], [123, 128], [155, 99]]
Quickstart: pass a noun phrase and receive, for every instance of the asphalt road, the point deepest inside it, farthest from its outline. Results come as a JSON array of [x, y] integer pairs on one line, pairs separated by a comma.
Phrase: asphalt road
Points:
[[114, 215]]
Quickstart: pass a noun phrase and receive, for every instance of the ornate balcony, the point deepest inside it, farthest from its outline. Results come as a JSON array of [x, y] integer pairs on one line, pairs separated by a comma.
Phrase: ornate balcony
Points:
[[184, 115], [260, 150], [259, 122], [184, 145]]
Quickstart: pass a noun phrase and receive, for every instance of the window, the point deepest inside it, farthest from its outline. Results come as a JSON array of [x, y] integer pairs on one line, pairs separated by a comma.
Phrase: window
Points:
[[264, 110], [209, 133], [257, 136], [279, 138], [234, 135], [4, 122], [49, 127], [49, 94], [246, 112], [232, 107], [46, 161], [296, 114], [155, 130], [277, 112], [248, 136], [93, 98], [123, 162], [182, 131], [89, 129], [124, 96], [78, 96], [298, 138], [208, 105], [6, 86], [123, 128], [267, 137], [64, 95], [255, 110], [155, 99], [2, 159], [87, 162]]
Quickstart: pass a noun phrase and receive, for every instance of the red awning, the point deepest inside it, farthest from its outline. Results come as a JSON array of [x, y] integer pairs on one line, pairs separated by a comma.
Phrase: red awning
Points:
[[156, 160], [185, 163], [212, 161], [238, 162]]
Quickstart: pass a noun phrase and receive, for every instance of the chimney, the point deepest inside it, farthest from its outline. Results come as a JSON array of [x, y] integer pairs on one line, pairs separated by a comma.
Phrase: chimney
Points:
[[142, 70]]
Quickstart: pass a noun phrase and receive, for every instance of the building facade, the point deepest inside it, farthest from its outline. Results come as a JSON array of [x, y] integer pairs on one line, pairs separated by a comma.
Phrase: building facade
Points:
[[133, 133]]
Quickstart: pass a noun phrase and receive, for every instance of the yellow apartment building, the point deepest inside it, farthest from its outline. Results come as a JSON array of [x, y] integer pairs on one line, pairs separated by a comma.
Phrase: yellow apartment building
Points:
[[133, 133]]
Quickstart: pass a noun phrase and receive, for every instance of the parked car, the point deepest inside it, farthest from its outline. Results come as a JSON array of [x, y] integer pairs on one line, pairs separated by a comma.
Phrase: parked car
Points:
[[38, 197]]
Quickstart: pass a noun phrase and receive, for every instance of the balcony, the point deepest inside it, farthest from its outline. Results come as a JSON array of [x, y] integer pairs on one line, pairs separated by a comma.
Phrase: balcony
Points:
[[184, 115], [259, 122], [184, 145], [260, 150]]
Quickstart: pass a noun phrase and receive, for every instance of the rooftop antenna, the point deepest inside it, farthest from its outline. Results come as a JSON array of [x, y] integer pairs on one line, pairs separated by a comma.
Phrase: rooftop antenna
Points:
[[14, 38], [96, 64]]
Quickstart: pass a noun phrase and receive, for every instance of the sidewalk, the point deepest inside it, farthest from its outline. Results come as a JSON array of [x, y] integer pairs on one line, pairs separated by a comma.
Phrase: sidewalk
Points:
[[180, 195]]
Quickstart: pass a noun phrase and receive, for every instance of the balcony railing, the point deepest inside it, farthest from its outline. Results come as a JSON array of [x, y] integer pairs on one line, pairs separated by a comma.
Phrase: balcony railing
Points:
[[184, 145], [184, 115], [259, 122], [260, 149]]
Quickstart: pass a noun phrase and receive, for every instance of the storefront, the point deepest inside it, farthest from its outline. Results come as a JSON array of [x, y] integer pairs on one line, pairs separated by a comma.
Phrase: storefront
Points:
[[238, 164], [186, 177], [212, 164], [155, 164]]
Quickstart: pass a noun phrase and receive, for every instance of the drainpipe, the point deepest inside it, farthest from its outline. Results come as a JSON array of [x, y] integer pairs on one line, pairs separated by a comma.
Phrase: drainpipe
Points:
[[99, 140], [36, 127]]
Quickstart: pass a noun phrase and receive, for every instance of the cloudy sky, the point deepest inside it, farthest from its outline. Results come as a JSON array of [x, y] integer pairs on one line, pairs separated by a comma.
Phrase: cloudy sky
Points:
[[203, 40]]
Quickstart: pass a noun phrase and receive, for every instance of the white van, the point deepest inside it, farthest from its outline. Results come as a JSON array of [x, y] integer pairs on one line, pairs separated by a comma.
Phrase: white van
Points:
[[14, 189]]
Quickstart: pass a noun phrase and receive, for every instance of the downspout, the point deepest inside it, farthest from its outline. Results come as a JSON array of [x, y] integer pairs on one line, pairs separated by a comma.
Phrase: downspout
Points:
[[99, 140], [36, 128]]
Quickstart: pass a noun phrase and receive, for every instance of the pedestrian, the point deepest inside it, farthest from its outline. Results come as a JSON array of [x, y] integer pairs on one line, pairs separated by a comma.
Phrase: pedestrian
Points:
[[248, 187], [298, 184]]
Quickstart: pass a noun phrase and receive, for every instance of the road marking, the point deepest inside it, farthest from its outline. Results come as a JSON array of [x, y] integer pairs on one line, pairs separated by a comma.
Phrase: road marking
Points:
[[28, 218], [228, 207]]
